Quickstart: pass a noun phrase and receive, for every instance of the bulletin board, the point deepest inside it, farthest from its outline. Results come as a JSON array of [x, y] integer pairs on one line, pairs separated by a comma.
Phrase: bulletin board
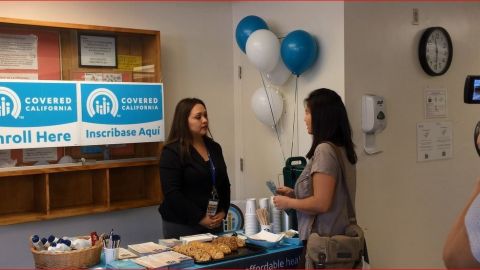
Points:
[[48, 54]]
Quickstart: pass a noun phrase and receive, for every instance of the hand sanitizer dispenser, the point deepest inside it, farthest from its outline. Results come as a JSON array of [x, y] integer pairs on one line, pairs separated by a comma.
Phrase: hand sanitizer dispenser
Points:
[[373, 120]]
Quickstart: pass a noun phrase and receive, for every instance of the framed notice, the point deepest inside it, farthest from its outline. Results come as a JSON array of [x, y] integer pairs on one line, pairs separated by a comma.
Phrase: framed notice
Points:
[[97, 51]]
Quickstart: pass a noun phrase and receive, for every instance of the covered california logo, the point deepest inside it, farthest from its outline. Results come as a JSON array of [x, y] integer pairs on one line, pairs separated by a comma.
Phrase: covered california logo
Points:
[[102, 102], [9, 103]]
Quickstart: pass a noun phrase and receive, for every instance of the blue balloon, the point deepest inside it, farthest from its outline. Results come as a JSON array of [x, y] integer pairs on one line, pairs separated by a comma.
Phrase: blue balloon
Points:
[[246, 27], [299, 51]]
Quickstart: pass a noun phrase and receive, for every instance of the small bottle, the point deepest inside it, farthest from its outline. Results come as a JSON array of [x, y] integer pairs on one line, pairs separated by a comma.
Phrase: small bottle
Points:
[[93, 238], [44, 242], [37, 243], [52, 247], [67, 242], [62, 246], [52, 239]]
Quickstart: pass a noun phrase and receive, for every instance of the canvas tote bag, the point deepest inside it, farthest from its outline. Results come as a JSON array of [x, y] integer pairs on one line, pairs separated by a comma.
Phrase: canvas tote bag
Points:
[[338, 251]]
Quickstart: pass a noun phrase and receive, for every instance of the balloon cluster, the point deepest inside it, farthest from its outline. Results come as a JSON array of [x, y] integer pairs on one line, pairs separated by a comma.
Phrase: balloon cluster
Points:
[[296, 53]]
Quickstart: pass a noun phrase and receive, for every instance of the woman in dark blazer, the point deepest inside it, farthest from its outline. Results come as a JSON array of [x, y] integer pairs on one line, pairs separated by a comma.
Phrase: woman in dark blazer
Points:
[[193, 174]]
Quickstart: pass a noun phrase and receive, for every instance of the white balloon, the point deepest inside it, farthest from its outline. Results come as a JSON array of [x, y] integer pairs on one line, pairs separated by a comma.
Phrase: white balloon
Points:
[[263, 50], [280, 74], [261, 105]]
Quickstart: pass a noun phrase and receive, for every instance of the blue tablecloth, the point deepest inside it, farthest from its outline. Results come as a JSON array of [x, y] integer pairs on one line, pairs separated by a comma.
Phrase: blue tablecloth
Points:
[[283, 256]]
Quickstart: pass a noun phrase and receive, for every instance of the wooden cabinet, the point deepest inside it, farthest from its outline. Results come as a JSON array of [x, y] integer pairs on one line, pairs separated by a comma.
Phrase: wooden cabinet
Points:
[[126, 180]]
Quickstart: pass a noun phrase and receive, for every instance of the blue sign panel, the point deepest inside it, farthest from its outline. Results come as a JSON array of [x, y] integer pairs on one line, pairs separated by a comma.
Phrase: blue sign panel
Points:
[[35, 104], [38, 114], [121, 113]]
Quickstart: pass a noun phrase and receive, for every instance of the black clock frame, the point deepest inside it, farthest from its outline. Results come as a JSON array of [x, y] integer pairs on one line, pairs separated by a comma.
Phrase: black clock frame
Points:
[[422, 50]]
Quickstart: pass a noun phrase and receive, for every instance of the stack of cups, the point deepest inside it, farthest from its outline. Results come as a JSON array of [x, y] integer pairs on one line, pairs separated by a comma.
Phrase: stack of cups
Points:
[[286, 221], [251, 223], [276, 217]]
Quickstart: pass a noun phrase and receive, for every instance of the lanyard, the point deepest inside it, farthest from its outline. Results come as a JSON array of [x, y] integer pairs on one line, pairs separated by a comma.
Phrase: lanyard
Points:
[[213, 174]]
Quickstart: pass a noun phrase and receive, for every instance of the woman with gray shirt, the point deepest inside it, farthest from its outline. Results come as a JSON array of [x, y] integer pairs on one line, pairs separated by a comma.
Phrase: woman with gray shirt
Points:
[[319, 193]]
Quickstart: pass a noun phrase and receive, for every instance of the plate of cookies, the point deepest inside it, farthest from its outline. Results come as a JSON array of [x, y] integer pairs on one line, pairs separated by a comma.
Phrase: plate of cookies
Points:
[[219, 249]]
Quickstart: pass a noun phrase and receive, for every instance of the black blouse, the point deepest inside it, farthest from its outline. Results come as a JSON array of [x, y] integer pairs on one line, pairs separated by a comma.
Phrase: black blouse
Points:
[[187, 185]]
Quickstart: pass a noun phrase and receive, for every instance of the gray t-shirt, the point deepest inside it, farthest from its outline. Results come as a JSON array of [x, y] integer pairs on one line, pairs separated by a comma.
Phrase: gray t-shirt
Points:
[[324, 160]]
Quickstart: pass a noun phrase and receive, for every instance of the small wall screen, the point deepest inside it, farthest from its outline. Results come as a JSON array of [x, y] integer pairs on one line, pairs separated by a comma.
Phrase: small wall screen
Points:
[[471, 92]]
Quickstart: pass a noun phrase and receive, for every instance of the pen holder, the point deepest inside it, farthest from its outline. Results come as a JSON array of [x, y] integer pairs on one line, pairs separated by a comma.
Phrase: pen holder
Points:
[[267, 227], [111, 254]]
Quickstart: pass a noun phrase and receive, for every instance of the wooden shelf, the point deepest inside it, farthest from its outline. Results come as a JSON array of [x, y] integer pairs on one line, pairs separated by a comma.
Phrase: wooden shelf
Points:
[[77, 211], [8, 219], [131, 179], [130, 203], [54, 191], [69, 167]]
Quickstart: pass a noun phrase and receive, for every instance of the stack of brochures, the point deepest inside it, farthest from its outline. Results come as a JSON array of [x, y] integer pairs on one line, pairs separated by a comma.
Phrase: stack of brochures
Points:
[[205, 237], [165, 260], [147, 248], [125, 254], [169, 242]]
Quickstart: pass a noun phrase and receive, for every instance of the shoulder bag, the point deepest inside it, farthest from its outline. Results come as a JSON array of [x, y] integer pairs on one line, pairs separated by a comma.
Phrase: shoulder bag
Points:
[[338, 251]]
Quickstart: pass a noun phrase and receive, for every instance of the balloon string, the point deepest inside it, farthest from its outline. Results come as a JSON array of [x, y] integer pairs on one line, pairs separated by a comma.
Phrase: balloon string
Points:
[[296, 106], [273, 116], [295, 118]]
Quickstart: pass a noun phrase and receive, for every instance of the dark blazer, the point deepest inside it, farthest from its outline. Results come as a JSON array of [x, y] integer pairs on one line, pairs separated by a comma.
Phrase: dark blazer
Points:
[[187, 185]]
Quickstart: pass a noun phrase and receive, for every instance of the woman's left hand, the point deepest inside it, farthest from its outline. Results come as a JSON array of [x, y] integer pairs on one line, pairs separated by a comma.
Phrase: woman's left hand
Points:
[[281, 202]]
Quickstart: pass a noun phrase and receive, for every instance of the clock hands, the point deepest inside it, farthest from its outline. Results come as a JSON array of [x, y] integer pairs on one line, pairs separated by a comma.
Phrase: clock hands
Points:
[[436, 53]]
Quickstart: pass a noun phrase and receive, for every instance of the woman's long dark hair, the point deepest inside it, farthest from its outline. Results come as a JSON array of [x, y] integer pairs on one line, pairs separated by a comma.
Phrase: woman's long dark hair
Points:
[[180, 131], [329, 122]]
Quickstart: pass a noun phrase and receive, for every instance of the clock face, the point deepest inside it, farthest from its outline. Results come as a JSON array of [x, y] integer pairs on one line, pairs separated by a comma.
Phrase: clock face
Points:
[[435, 51]]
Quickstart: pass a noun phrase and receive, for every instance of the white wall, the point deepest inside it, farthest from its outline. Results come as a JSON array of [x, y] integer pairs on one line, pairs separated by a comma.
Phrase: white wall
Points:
[[255, 142], [196, 49], [406, 206]]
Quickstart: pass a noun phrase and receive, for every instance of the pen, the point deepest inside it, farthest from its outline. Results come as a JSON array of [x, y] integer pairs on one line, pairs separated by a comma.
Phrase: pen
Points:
[[111, 239]]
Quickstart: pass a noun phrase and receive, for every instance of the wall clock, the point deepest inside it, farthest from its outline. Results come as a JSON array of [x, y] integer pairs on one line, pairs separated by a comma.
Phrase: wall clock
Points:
[[435, 51]]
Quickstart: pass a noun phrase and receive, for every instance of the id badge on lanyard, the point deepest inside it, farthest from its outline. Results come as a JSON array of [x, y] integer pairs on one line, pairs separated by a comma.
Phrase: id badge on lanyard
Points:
[[213, 201]]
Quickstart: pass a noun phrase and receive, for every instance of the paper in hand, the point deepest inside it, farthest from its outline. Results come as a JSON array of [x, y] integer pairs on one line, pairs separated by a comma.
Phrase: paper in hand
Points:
[[272, 187]]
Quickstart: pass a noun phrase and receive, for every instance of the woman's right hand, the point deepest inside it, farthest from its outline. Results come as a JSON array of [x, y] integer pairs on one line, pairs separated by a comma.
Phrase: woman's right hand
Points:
[[286, 191]]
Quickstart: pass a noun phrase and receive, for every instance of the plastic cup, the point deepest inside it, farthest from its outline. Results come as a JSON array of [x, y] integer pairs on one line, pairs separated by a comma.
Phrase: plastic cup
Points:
[[263, 203], [251, 206], [110, 255]]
